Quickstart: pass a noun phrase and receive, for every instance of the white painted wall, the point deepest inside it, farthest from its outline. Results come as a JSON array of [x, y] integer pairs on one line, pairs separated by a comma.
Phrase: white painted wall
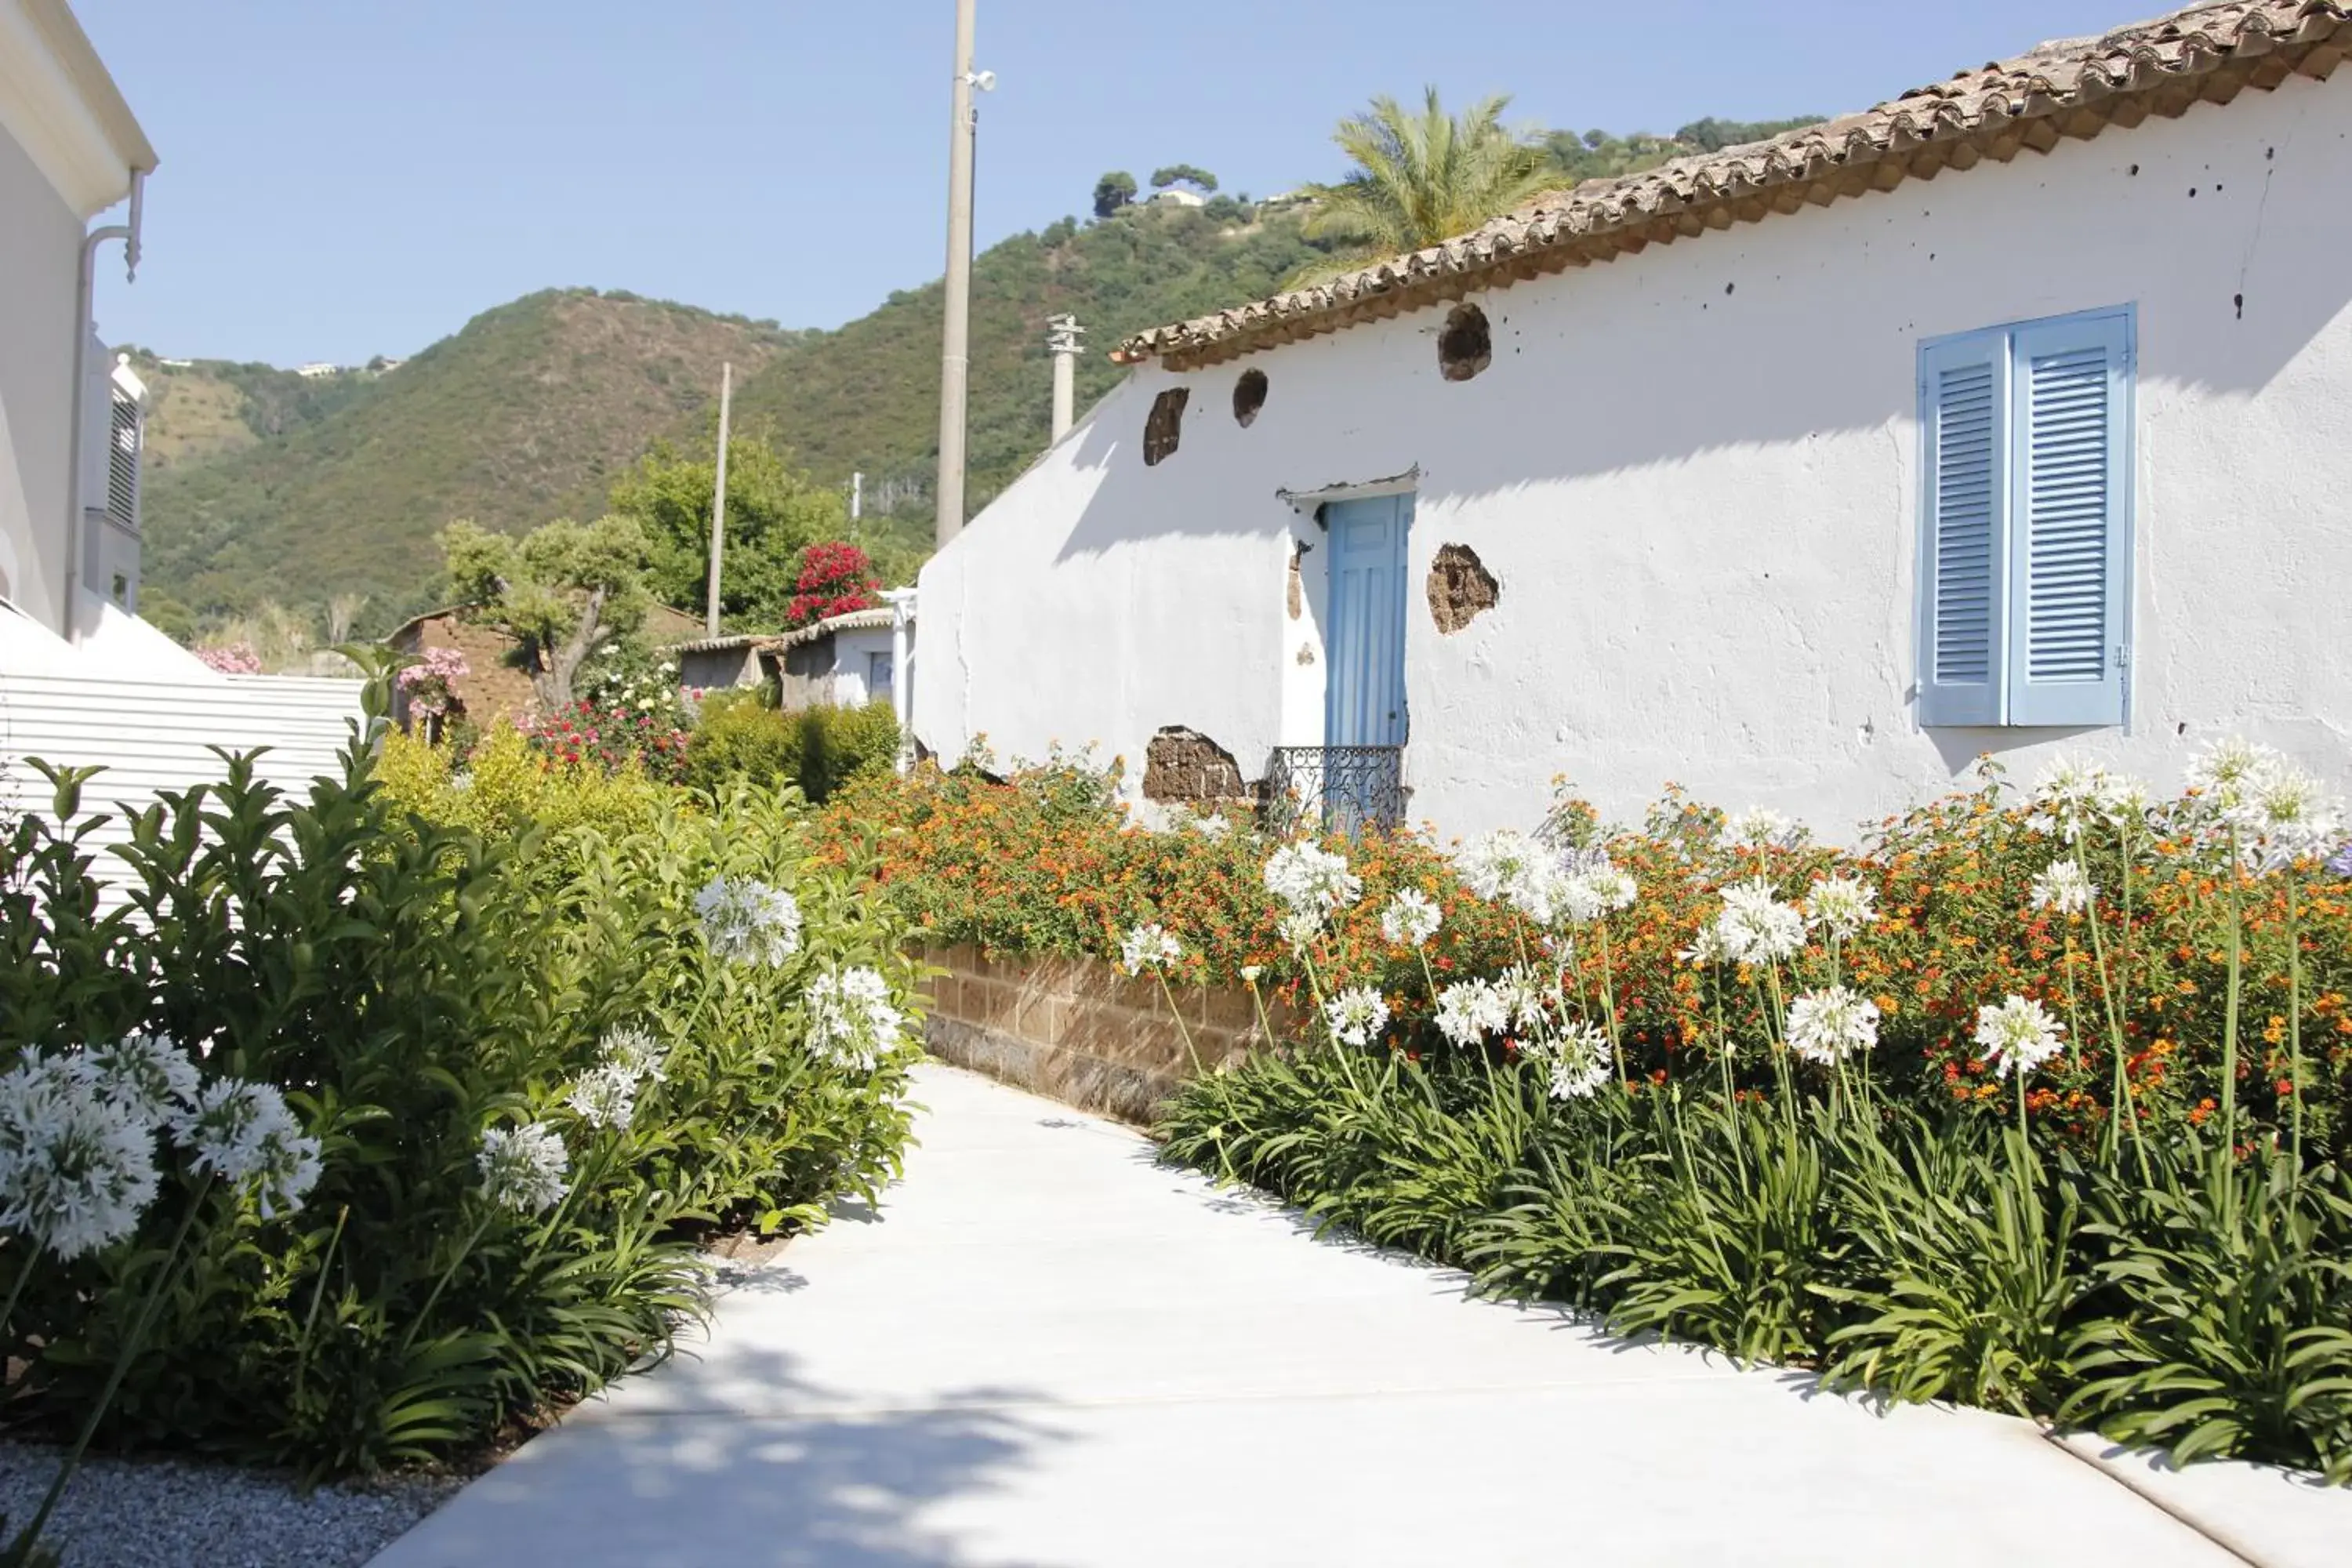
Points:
[[40, 249], [1694, 473], [154, 735], [851, 651]]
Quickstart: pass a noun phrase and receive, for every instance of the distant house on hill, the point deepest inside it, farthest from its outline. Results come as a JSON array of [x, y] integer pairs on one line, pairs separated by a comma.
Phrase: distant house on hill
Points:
[[2013, 415], [319, 370], [1174, 197], [845, 660], [495, 689]]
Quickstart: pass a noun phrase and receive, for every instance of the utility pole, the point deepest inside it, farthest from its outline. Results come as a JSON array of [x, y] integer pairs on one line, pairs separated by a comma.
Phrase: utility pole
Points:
[[719, 498], [856, 496], [955, 350], [1062, 335]]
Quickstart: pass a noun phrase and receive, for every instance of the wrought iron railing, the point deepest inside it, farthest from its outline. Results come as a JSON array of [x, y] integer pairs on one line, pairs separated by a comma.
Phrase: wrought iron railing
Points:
[[1342, 788]]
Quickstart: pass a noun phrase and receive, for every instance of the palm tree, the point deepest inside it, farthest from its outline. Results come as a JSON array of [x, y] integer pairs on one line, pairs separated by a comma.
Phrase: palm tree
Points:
[[1421, 179]]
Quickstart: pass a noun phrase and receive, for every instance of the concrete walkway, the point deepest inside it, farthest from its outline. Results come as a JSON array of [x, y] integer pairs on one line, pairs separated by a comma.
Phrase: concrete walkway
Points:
[[1048, 1351]]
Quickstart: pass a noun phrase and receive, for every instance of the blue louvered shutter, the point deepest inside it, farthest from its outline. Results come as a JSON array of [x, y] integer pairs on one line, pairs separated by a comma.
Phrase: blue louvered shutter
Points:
[[1964, 410], [2069, 498]]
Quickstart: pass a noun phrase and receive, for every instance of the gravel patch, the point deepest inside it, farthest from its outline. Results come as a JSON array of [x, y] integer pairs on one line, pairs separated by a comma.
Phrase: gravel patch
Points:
[[173, 1513]]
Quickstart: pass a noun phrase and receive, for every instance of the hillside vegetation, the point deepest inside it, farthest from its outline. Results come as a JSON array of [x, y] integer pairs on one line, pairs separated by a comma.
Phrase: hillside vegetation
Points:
[[508, 421], [270, 487]]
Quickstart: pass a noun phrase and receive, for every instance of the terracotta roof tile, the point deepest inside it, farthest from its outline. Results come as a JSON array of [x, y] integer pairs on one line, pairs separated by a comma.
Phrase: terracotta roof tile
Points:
[[2075, 86]]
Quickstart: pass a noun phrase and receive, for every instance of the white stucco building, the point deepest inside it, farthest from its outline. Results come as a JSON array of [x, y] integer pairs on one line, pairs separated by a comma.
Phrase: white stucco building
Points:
[[2013, 415], [70, 417]]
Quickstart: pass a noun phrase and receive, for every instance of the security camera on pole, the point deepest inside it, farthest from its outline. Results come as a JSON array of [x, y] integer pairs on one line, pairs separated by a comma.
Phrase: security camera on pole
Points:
[[954, 358]]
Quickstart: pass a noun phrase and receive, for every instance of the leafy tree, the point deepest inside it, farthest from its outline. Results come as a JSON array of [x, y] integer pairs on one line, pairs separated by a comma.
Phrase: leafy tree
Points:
[[1191, 175], [1113, 191], [1421, 179], [1713, 135], [772, 511], [560, 591]]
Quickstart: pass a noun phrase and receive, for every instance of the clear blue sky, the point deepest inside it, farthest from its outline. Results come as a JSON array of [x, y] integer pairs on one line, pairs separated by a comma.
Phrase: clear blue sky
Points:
[[343, 178]]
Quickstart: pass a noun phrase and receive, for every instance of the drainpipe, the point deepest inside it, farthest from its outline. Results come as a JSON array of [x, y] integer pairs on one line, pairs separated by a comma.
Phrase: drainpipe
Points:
[[84, 327], [902, 673]]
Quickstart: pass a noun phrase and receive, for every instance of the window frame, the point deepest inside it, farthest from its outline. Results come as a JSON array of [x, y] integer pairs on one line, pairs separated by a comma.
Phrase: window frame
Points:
[[2126, 505]]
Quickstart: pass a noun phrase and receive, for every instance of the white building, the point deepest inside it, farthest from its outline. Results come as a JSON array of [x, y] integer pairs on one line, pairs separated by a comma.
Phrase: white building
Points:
[[69, 417], [2011, 415]]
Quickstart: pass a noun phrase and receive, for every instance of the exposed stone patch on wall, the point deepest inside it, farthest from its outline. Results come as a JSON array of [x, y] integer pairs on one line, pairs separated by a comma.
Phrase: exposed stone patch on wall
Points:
[[1076, 1030], [1163, 427], [1466, 345], [1183, 764], [1461, 589]]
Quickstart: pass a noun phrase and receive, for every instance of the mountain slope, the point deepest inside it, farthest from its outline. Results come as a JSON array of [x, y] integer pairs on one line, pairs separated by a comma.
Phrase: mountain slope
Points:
[[866, 396], [506, 422]]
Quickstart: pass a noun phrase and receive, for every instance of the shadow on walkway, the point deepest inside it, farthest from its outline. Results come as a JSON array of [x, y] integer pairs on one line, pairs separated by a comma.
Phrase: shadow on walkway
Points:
[[835, 1485]]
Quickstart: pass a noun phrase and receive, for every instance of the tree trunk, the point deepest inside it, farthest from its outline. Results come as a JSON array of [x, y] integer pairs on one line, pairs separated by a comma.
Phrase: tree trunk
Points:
[[553, 683]]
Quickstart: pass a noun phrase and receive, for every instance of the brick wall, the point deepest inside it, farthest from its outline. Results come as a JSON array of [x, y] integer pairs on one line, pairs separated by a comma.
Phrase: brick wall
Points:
[[1076, 1030]]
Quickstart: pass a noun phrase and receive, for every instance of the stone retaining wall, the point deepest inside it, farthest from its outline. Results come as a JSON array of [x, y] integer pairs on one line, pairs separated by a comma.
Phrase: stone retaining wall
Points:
[[1076, 1030]]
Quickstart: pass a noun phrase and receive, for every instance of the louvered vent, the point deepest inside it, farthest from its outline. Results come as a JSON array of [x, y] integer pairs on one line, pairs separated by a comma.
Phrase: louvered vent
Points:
[[122, 446], [1966, 472], [2066, 512]]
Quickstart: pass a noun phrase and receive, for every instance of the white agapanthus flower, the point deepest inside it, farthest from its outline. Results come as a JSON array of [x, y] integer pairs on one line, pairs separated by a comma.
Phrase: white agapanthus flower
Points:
[[744, 920], [1756, 927], [77, 1169], [633, 1052], [1357, 1016], [1575, 1061], [1833, 1024], [604, 1096], [1493, 865], [2290, 816], [1707, 948], [2072, 797], [1311, 878], [1148, 947], [1470, 1010], [1590, 886], [1762, 827], [2063, 885], [2018, 1036], [1299, 928], [1409, 918], [1529, 999], [524, 1169], [246, 1134], [853, 1020], [146, 1074], [1843, 907], [2229, 774]]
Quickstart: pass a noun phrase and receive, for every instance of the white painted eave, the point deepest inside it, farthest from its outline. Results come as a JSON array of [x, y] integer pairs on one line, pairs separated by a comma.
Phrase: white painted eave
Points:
[[59, 103]]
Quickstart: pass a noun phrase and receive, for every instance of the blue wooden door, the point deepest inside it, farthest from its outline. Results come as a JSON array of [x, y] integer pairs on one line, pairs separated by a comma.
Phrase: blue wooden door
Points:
[[1364, 696]]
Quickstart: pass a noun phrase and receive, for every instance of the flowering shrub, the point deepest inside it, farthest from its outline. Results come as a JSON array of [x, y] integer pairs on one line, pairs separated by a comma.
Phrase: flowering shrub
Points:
[[521, 1074], [1979, 1114], [833, 579], [233, 659], [430, 684], [1934, 913], [611, 737]]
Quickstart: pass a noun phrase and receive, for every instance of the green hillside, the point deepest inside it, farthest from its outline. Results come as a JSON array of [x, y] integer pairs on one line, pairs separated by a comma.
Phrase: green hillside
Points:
[[506, 422], [866, 397]]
